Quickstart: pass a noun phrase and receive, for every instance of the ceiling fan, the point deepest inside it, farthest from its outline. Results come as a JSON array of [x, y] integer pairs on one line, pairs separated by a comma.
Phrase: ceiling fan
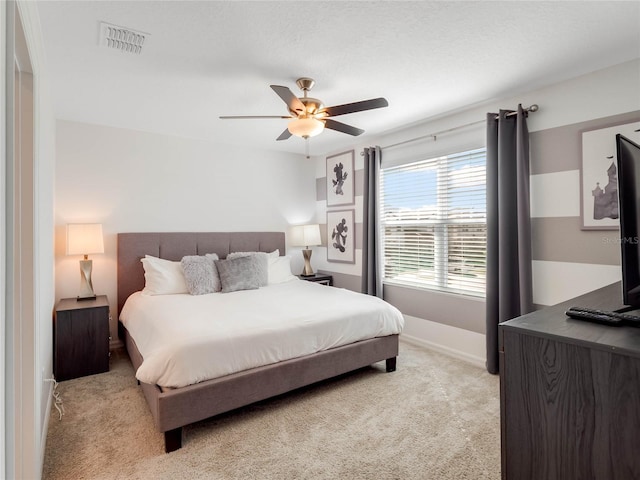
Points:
[[309, 117]]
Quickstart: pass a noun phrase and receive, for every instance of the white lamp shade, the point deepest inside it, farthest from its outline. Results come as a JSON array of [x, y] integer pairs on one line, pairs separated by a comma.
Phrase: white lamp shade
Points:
[[84, 238], [306, 235], [305, 127]]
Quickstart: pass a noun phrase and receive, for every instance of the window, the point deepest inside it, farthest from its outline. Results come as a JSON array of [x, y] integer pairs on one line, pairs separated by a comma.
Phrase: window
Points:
[[433, 213]]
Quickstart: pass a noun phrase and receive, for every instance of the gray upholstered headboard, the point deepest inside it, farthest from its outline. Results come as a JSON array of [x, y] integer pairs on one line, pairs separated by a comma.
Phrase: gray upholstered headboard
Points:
[[175, 245]]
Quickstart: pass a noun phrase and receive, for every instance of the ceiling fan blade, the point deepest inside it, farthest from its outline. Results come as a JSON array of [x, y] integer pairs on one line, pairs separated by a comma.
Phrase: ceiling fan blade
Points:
[[355, 107], [284, 135], [235, 117], [342, 127], [293, 102]]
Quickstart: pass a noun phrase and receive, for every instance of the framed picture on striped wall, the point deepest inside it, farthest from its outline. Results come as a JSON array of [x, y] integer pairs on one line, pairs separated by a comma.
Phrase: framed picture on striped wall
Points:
[[599, 176], [340, 179], [341, 229]]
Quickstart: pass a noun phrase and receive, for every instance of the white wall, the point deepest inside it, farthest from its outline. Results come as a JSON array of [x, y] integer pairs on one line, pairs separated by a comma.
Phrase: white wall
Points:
[[133, 181]]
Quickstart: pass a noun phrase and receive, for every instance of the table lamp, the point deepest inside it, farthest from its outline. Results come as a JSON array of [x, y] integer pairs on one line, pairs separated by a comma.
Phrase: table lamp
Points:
[[85, 239], [306, 236]]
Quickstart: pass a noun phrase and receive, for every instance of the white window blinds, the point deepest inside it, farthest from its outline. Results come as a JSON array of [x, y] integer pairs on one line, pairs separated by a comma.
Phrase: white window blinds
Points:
[[433, 215]]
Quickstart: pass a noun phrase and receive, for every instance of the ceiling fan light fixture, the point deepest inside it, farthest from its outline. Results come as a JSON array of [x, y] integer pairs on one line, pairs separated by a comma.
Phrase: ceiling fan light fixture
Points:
[[309, 117], [305, 127]]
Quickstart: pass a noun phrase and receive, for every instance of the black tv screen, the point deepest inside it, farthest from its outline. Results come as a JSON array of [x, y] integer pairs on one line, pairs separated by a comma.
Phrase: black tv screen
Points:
[[629, 196]]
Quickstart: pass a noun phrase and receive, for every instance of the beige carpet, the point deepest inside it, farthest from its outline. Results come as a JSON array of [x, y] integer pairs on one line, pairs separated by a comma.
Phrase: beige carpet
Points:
[[434, 418]]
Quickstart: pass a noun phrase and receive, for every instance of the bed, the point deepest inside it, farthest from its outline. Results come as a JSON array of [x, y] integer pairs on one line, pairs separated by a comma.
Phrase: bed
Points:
[[174, 408]]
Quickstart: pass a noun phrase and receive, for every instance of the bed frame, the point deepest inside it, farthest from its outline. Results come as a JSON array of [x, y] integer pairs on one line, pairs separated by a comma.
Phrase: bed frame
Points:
[[174, 408]]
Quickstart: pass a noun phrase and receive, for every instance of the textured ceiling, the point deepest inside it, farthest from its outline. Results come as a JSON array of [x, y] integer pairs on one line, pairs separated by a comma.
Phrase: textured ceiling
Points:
[[206, 59]]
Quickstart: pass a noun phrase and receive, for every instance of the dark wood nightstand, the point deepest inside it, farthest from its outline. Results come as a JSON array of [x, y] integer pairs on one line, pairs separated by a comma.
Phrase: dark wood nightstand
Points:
[[323, 278], [80, 338]]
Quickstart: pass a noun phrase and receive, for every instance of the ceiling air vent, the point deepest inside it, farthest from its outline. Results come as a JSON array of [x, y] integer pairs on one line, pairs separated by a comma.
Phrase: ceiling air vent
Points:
[[121, 38]]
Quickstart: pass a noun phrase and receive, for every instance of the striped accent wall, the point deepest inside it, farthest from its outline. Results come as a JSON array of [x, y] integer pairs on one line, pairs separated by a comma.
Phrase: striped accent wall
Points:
[[345, 275], [567, 261]]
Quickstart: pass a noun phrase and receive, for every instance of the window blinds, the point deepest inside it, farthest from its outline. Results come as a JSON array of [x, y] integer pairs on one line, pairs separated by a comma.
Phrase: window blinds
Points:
[[433, 216]]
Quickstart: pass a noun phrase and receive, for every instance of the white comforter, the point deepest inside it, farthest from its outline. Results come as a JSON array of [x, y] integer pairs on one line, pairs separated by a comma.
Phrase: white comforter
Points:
[[186, 339]]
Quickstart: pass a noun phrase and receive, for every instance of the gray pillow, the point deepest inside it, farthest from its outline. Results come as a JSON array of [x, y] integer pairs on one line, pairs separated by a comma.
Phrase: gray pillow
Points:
[[262, 257], [242, 273], [216, 278], [200, 274]]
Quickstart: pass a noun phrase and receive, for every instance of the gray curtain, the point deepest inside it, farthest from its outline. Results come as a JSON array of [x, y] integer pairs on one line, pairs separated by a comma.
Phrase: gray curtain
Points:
[[509, 284], [371, 278]]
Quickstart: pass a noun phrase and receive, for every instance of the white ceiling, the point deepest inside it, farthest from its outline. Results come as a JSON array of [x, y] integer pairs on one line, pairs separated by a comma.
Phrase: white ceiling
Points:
[[206, 59]]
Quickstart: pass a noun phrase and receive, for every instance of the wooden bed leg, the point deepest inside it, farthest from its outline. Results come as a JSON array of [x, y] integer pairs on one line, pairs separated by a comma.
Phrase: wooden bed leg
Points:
[[173, 440], [391, 364]]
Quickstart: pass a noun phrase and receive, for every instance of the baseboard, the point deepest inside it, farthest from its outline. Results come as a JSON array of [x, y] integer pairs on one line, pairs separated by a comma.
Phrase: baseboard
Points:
[[115, 344], [45, 426], [474, 360], [445, 339]]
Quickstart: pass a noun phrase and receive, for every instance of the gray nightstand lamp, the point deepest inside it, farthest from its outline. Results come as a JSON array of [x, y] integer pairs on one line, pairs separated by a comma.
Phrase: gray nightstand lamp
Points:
[[85, 239], [306, 236]]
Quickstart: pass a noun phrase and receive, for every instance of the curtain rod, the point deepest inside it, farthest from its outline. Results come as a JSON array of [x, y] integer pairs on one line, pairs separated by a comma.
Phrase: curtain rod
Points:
[[532, 108]]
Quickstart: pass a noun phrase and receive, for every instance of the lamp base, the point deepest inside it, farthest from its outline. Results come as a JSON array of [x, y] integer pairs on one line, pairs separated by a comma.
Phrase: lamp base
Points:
[[79, 299], [307, 271], [86, 286]]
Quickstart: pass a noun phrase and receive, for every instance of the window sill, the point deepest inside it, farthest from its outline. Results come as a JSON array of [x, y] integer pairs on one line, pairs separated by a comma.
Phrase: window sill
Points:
[[466, 296]]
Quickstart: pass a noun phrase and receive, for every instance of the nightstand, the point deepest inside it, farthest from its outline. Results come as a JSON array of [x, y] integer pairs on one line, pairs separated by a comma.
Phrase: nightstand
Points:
[[80, 338], [323, 278]]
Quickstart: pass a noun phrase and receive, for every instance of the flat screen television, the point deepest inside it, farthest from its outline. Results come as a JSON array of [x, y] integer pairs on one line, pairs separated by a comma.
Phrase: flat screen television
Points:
[[629, 200]]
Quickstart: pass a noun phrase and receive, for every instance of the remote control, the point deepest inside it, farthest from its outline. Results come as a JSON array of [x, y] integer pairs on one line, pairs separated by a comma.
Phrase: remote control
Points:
[[628, 319], [596, 316], [632, 320]]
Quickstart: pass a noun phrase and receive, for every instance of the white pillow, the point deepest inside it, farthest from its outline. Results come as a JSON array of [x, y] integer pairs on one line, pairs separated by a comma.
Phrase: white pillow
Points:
[[272, 257], [162, 277], [280, 270]]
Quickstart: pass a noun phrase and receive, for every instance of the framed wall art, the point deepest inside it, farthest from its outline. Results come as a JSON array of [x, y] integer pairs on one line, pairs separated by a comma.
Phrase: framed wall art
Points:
[[341, 246], [599, 176], [340, 179]]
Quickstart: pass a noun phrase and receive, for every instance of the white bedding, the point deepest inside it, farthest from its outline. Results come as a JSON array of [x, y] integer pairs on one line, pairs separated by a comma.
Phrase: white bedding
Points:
[[186, 339]]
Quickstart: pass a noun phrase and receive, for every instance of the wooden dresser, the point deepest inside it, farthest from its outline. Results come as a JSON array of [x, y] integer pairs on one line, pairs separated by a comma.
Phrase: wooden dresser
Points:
[[570, 394]]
